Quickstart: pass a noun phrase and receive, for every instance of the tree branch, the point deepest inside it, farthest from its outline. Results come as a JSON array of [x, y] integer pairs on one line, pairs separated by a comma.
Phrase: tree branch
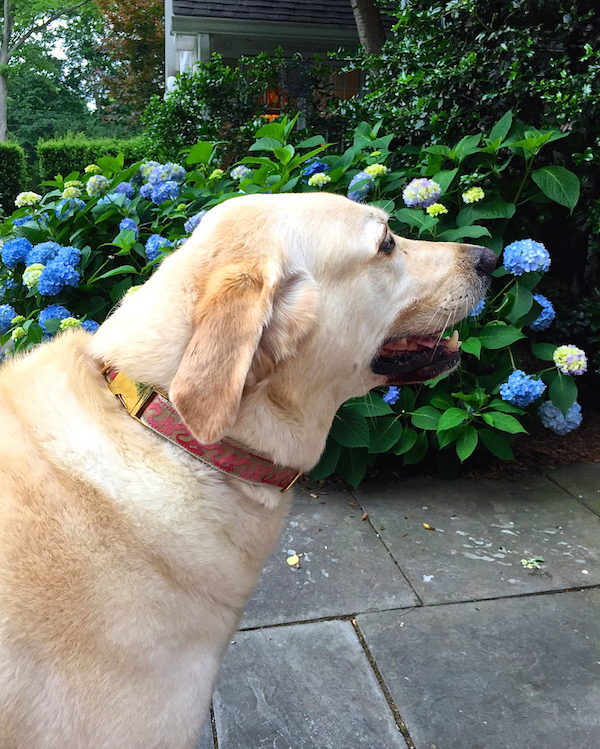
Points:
[[19, 41]]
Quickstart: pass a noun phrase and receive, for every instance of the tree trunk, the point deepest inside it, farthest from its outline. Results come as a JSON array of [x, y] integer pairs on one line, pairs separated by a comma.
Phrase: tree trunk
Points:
[[7, 26], [369, 25], [3, 103]]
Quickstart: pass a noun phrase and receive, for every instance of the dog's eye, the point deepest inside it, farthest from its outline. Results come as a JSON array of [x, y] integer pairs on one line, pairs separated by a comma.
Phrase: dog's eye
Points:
[[388, 245]]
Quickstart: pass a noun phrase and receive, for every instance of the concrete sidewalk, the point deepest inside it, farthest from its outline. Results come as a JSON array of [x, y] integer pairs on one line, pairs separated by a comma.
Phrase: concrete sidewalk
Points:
[[395, 634]]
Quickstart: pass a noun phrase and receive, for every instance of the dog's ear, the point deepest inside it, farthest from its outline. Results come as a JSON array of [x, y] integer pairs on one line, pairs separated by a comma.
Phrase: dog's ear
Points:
[[294, 316], [229, 320], [241, 313]]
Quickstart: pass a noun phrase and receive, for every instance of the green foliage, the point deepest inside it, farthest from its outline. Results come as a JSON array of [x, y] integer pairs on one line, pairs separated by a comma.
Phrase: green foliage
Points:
[[454, 415], [459, 65], [40, 105], [12, 174], [73, 152], [456, 67], [220, 102], [213, 101]]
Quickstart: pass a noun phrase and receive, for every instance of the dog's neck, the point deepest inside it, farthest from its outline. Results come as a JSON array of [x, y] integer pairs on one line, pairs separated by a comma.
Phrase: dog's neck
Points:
[[152, 409], [285, 416], [294, 431]]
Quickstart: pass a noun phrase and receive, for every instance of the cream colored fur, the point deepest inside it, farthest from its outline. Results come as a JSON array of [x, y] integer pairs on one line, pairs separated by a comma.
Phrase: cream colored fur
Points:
[[124, 562]]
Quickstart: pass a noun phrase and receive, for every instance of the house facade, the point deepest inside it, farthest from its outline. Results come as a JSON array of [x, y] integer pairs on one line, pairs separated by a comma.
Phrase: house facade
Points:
[[194, 29]]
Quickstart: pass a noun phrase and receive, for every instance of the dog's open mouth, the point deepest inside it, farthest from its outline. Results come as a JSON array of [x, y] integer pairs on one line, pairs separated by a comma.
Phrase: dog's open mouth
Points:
[[410, 360]]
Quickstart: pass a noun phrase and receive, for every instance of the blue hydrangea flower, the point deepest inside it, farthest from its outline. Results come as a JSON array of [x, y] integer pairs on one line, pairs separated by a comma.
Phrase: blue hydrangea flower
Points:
[[174, 172], [7, 286], [552, 417], [193, 221], [165, 191], [146, 190], [90, 325], [154, 245], [525, 256], [421, 192], [168, 172], [126, 188], [478, 309], [6, 315], [521, 389], [53, 312], [240, 172], [314, 166], [146, 169], [55, 276], [15, 251], [129, 224], [546, 316], [361, 192], [66, 208], [21, 221], [69, 255], [157, 176], [42, 253], [392, 395]]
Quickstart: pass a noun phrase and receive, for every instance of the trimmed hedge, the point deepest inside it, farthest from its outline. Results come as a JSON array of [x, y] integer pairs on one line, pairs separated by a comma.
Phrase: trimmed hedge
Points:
[[72, 153], [12, 174]]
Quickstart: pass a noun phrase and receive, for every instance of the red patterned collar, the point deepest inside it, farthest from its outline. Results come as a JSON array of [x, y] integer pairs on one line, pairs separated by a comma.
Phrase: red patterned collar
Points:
[[154, 410]]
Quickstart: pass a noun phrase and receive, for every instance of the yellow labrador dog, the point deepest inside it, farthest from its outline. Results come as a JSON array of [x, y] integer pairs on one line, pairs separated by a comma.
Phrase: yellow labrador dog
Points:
[[127, 553]]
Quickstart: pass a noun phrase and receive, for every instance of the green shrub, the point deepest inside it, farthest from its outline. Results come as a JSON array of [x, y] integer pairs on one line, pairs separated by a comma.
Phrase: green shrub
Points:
[[475, 407], [222, 103], [12, 174], [456, 67], [73, 152]]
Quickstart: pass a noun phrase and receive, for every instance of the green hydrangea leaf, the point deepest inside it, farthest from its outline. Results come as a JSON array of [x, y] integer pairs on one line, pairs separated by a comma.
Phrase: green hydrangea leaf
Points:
[[350, 428], [328, 460], [408, 439], [451, 418], [558, 184], [352, 465], [496, 444], [426, 417], [384, 433], [563, 392], [498, 336], [467, 442]]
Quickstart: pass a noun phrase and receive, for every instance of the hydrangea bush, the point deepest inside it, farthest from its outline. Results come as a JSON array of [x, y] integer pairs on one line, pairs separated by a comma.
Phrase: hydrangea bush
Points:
[[70, 254]]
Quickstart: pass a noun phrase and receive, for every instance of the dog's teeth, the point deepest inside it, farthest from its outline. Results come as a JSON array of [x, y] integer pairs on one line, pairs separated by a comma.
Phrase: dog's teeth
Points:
[[453, 342]]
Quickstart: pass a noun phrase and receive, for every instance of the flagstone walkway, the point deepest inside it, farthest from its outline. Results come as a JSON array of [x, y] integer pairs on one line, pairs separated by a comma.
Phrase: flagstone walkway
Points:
[[411, 621]]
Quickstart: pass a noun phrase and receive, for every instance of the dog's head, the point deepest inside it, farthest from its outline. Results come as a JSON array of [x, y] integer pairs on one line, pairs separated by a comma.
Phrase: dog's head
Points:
[[281, 307]]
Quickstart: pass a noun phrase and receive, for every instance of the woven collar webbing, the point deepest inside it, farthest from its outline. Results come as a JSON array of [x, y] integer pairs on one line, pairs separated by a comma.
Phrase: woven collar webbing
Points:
[[154, 410]]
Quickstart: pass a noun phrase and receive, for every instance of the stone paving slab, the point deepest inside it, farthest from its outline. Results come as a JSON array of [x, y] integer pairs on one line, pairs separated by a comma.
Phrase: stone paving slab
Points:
[[482, 531], [344, 567], [521, 673], [582, 480], [306, 686]]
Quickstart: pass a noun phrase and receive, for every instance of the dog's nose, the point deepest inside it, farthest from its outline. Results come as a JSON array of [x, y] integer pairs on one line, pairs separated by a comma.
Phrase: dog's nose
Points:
[[485, 260]]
